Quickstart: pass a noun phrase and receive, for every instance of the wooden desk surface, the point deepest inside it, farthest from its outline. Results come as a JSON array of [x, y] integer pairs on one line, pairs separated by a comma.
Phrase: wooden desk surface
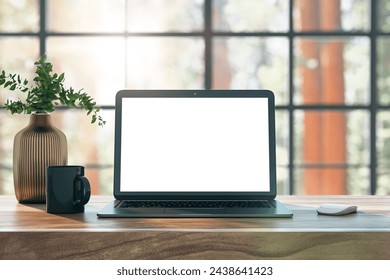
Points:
[[28, 232]]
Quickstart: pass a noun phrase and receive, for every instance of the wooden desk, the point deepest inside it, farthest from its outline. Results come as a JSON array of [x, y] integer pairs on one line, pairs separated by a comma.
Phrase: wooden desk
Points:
[[28, 232]]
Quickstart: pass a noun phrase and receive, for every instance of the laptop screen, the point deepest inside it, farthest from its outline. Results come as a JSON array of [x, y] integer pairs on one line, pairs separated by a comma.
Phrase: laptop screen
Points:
[[203, 144]]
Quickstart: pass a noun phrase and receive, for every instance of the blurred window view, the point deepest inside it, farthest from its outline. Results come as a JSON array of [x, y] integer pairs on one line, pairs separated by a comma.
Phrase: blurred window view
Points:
[[327, 61]]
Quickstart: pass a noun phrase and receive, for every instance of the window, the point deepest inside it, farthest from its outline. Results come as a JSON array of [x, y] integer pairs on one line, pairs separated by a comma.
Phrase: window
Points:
[[327, 61]]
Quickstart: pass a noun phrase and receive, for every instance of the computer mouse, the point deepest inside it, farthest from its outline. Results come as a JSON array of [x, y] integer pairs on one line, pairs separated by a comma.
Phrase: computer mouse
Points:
[[336, 209]]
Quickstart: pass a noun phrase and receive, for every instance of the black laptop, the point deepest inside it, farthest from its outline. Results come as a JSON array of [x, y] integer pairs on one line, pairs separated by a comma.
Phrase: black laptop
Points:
[[194, 153]]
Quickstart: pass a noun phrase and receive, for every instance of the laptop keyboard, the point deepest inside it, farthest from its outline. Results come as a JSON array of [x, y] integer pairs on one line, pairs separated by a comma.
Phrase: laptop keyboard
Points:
[[197, 204]]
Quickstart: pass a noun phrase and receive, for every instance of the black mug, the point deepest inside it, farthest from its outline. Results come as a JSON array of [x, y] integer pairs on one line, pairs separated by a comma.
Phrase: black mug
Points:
[[67, 189]]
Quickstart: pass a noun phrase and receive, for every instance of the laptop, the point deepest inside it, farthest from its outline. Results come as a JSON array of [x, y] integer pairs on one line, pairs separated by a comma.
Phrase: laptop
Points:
[[194, 153]]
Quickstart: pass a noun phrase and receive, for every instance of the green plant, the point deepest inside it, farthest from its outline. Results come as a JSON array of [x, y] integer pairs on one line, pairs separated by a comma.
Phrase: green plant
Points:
[[47, 92]]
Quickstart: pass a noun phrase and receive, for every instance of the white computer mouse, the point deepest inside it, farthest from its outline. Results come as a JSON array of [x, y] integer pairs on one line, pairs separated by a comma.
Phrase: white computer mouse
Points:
[[336, 209]]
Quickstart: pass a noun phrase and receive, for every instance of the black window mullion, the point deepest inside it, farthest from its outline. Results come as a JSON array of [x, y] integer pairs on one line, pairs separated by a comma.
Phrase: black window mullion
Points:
[[291, 99], [208, 35], [42, 27], [374, 98], [126, 39]]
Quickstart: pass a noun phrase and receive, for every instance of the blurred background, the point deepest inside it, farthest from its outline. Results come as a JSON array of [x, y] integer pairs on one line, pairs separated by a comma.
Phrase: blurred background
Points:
[[327, 61]]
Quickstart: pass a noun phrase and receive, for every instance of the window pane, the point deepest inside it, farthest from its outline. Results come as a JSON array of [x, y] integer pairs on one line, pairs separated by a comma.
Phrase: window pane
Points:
[[164, 15], [383, 70], [322, 181], [165, 63], [17, 55], [252, 63], [282, 150], [250, 15], [328, 71], [282, 186], [86, 15], [383, 152], [383, 10], [331, 15], [95, 64], [333, 149], [282, 137], [383, 139], [383, 174], [18, 16], [332, 137], [96, 144]]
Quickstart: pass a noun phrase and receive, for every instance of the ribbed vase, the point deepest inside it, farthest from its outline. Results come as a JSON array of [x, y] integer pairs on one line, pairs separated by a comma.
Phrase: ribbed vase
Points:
[[37, 146]]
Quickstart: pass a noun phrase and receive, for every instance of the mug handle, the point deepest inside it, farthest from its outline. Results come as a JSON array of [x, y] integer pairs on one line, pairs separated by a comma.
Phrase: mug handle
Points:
[[81, 190]]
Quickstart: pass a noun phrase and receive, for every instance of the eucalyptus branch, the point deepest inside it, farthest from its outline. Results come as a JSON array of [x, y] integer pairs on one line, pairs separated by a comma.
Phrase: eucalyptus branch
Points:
[[47, 92]]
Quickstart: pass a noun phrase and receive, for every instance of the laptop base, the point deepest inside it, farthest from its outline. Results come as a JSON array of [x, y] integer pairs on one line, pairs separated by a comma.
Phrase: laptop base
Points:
[[279, 211]]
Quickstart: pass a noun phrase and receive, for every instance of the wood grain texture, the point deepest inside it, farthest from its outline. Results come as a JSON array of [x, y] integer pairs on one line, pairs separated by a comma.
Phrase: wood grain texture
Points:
[[28, 232], [194, 245]]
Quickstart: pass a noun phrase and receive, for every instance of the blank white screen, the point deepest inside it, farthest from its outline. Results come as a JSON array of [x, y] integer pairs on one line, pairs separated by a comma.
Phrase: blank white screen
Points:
[[195, 144]]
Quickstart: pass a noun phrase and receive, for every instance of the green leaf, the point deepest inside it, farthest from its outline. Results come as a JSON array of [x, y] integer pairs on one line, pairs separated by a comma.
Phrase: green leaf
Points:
[[47, 91]]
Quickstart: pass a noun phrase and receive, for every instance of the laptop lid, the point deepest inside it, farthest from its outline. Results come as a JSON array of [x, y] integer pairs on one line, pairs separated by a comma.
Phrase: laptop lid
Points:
[[194, 144]]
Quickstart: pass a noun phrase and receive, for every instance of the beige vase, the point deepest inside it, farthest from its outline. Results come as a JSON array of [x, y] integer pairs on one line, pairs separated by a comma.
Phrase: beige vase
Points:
[[36, 147]]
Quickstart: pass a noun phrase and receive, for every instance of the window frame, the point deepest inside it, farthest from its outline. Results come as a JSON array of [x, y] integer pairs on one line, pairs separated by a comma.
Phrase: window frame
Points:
[[208, 34]]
